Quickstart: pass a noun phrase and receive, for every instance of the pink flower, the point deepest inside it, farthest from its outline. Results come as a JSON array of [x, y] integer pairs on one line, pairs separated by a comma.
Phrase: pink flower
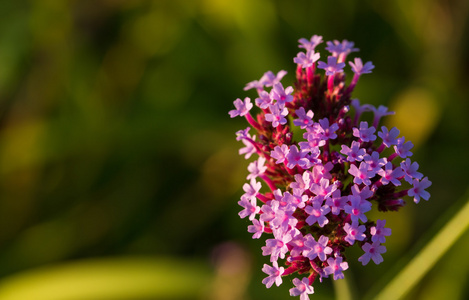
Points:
[[302, 288], [372, 251], [275, 274]]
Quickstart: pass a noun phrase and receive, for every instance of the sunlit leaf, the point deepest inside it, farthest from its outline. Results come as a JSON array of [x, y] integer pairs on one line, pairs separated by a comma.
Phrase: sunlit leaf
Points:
[[114, 278]]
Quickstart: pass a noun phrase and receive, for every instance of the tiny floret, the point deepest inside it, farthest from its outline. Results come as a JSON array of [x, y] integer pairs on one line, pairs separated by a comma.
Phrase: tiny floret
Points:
[[332, 66], [365, 133], [277, 115], [309, 45], [302, 288], [418, 189], [372, 251], [242, 107], [335, 267], [379, 233], [359, 68], [275, 274], [306, 60]]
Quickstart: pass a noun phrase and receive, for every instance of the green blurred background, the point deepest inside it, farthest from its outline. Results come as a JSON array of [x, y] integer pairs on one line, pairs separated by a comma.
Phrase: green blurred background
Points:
[[119, 172]]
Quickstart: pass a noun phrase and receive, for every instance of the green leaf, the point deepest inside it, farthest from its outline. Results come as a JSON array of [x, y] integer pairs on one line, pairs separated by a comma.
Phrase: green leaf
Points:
[[423, 262], [114, 278]]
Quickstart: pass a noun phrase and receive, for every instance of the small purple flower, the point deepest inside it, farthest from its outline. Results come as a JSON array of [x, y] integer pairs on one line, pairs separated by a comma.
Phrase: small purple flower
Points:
[[389, 137], [410, 170], [280, 94], [311, 44], [306, 60], [255, 84], [312, 146], [324, 188], [314, 131], [321, 171], [269, 210], [328, 131], [336, 202], [317, 213], [264, 100], [418, 189], [270, 79], [361, 174], [374, 161], [304, 119], [391, 175], [318, 249], [372, 251], [357, 209], [313, 157], [332, 66], [249, 148], [359, 68], [354, 233], [252, 189], [242, 108], [339, 49], [302, 288], [243, 134], [365, 133], [380, 112], [298, 244], [277, 247], [297, 200], [284, 219], [364, 193], [402, 149], [280, 153], [379, 233], [250, 208], [313, 138], [295, 157], [275, 274], [302, 182], [335, 267], [256, 168], [277, 115], [354, 153], [257, 228]]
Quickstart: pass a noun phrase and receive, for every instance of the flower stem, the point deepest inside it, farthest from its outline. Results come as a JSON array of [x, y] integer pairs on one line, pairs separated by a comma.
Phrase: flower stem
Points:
[[342, 289]]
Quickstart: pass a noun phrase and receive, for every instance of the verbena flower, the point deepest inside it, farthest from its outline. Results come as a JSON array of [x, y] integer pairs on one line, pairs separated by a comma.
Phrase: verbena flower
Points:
[[319, 168]]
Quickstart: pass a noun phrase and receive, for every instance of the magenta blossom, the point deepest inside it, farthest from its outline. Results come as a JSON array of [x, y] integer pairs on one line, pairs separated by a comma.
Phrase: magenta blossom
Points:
[[319, 162]]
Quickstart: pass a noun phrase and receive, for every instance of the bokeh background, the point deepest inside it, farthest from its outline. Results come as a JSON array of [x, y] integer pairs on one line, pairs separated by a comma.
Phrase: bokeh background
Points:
[[119, 171]]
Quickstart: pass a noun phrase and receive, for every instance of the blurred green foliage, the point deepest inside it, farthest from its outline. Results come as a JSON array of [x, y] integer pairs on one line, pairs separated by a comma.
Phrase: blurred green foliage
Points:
[[115, 139]]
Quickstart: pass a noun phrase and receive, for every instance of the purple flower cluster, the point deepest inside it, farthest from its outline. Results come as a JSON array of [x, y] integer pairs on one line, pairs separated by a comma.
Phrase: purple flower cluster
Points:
[[320, 169]]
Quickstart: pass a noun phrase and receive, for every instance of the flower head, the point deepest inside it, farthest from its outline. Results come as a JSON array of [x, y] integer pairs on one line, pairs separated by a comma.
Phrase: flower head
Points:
[[319, 168]]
